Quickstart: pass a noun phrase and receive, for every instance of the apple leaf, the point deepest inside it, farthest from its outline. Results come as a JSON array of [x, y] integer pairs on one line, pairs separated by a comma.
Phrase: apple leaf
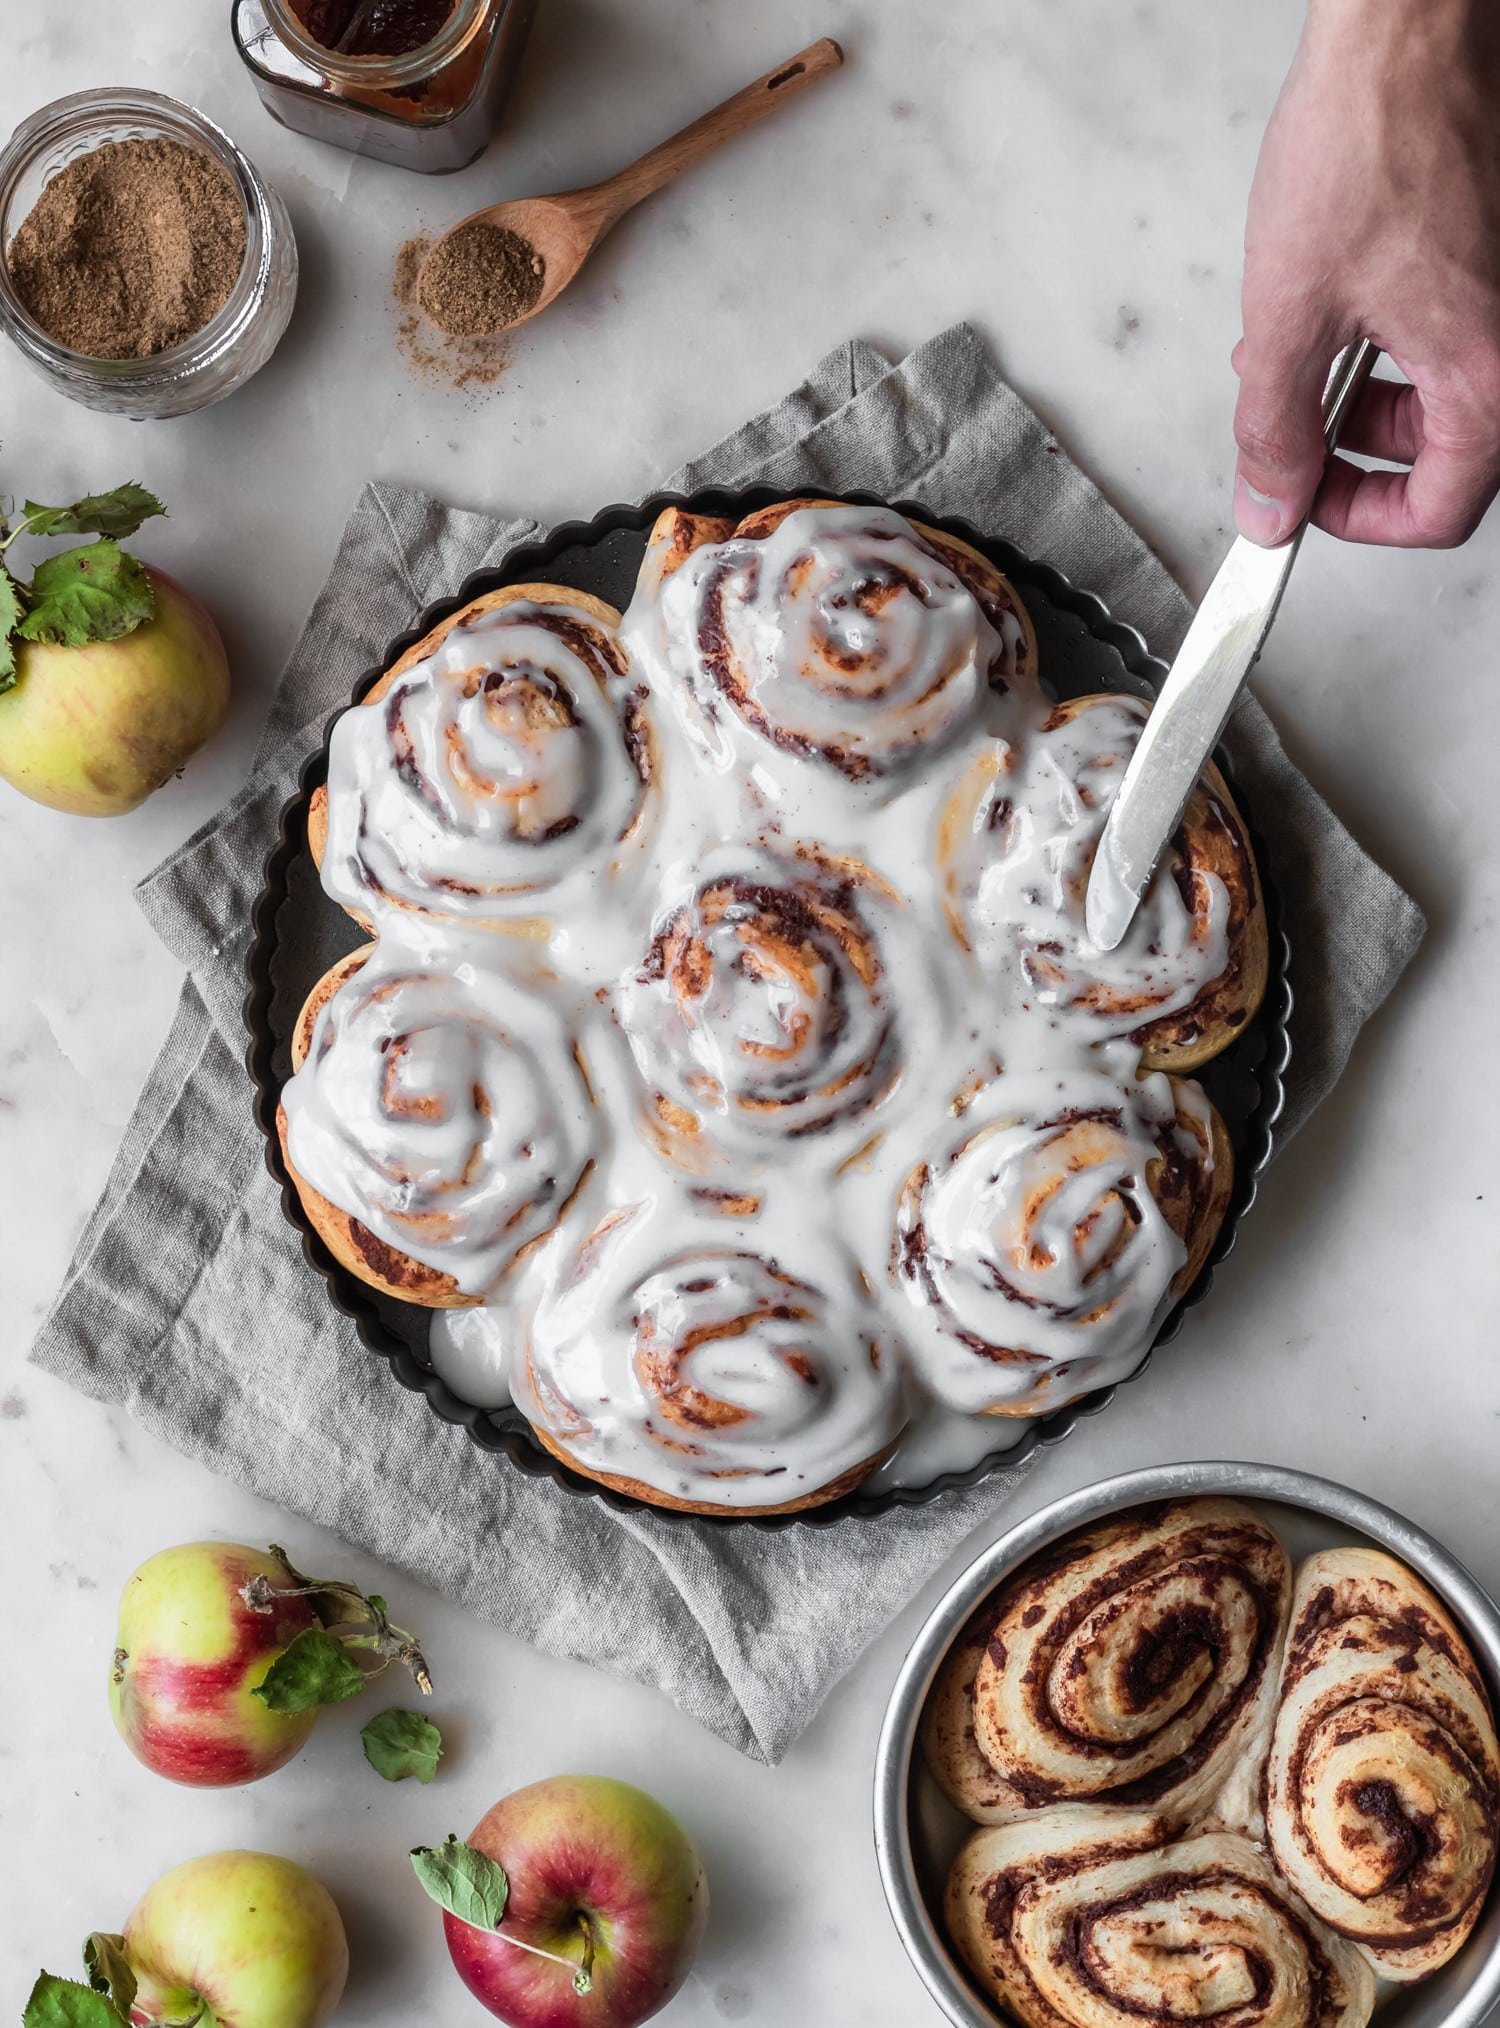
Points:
[[313, 1670], [109, 1969], [402, 1743], [96, 593], [10, 619], [118, 512], [464, 1882], [64, 2003]]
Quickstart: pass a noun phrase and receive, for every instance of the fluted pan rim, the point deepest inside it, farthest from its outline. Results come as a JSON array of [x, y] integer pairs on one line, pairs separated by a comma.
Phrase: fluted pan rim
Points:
[[1458, 1996]]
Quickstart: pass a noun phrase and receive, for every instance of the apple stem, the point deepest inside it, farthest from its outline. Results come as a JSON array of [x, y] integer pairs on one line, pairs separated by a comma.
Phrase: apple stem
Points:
[[583, 1977], [385, 1641]]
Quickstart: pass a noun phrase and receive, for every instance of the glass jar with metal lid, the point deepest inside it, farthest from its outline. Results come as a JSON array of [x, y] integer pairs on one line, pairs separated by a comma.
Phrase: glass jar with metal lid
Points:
[[240, 336], [414, 82]]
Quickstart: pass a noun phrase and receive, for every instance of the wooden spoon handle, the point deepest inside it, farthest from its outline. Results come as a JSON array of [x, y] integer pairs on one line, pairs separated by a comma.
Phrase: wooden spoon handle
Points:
[[683, 150]]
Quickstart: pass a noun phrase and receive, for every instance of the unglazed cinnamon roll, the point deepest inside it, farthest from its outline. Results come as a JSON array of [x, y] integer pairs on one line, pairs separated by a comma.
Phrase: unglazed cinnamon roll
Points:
[[1383, 1785], [434, 1126], [502, 764], [764, 1010], [844, 634], [1077, 1920], [1132, 1663], [1017, 843], [1044, 1243], [692, 1369]]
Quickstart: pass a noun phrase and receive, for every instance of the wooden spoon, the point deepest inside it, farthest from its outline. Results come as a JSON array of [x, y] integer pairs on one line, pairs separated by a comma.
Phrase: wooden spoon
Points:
[[566, 228]]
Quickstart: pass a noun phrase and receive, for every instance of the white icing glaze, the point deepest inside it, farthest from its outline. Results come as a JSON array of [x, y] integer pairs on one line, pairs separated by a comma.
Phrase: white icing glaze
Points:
[[748, 1369], [471, 1349], [1036, 1257], [493, 772], [841, 637], [441, 1110], [813, 1087], [1026, 823], [764, 1007]]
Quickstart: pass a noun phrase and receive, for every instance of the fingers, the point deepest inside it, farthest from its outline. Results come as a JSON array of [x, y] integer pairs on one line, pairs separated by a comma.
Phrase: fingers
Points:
[[1386, 423], [1278, 425], [1436, 505]]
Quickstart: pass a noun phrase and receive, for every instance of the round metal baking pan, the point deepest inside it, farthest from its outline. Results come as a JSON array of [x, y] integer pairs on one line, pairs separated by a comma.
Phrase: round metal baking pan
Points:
[[297, 933], [918, 1831]]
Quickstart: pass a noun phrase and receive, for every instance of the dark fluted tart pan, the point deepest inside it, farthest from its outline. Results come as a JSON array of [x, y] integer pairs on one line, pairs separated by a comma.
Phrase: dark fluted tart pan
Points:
[[297, 933]]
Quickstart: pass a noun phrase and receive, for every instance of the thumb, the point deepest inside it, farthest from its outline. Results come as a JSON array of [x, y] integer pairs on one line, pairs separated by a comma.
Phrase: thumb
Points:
[[1278, 425]]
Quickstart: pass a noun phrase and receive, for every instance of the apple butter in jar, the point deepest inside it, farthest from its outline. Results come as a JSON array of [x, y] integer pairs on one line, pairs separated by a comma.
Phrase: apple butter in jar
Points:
[[414, 82]]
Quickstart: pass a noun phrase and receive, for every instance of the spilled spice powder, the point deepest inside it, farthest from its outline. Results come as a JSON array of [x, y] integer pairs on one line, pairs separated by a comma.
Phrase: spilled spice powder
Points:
[[130, 248], [469, 365], [481, 279]]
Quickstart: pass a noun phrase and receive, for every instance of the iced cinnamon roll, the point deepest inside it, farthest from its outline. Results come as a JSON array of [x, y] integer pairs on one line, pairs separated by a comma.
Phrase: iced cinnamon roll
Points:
[[1383, 1786], [1043, 1243], [1082, 1918], [846, 635], [694, 1367], [1132, 1663], [434, 1125], [764, 1011], [1017, 843], [499, 769]]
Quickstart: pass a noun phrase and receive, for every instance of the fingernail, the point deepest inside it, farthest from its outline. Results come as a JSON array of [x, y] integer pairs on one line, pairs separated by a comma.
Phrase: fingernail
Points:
[[1258, 516]]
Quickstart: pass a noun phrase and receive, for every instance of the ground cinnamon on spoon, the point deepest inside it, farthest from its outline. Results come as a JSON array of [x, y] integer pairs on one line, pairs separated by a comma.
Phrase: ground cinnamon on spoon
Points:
[[481, 278]]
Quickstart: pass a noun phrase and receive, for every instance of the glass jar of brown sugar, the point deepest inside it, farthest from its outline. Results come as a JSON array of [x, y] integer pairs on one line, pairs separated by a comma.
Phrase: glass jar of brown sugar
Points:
[[415, 82]]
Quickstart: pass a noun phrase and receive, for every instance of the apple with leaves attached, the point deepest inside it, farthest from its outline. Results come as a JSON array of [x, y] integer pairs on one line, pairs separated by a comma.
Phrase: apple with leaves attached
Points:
[[111, 675], [241, 1937], [225, 1655], [577, 1903]]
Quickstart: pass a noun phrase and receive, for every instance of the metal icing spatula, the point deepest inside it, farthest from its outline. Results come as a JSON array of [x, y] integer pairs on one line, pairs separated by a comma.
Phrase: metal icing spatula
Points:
[[1227, 633]]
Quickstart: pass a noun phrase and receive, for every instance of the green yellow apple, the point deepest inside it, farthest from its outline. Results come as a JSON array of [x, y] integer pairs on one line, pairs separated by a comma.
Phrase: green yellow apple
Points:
[[584, 1855], [189, 1653], [237, 1937], [95, 729]]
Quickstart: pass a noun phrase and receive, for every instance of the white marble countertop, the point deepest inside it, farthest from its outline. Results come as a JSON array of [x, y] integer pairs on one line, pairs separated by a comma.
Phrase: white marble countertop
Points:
[[1071, 177]]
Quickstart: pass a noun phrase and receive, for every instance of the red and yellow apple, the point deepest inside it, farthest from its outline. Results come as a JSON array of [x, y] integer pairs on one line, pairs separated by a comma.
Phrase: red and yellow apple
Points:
[[95, 729], [238, 1937], [583, 1854], [188, 1654]]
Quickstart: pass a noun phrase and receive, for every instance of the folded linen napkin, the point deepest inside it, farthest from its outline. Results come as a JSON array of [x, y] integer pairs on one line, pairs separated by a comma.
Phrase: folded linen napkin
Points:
[[189, 1301]]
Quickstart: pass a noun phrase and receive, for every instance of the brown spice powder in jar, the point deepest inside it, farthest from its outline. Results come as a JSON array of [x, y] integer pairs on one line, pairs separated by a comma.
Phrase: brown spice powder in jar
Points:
[[481, 279], [130, 248]]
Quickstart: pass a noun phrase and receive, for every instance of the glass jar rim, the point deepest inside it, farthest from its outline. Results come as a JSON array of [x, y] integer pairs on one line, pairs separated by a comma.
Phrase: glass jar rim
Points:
[[379, 73], [178, 121]]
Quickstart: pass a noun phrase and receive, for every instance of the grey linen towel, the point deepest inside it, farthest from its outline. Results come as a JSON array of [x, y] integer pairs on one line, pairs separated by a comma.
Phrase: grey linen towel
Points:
[[189, 1301]]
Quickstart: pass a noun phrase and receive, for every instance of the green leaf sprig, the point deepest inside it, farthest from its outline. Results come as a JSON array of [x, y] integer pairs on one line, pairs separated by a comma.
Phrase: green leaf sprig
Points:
[[104, 2002], [468, 1884], [96, 592], [332, 1662]]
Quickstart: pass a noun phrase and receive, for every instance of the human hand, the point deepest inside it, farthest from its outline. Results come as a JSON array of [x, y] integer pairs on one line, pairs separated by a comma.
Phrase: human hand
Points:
[[1375, 212]]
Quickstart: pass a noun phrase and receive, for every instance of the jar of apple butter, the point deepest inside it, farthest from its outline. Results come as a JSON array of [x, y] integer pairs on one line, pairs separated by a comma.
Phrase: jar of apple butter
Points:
[[415, 82]]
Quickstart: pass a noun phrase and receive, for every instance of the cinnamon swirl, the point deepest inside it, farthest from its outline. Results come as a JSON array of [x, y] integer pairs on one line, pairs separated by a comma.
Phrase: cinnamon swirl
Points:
[[1017, 844], [764, 1012], [434, 1125], [500, 766], [1383, 1784], [845, 635], [1132, 1663], [1085, 1918], [698, 1370], [1044, 1243]]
